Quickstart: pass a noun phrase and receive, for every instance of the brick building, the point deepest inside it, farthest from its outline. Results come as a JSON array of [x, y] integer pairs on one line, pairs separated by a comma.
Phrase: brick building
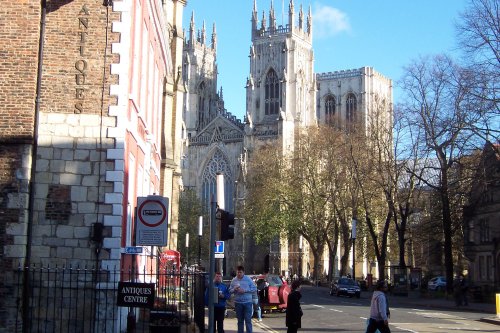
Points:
[[90, 110]]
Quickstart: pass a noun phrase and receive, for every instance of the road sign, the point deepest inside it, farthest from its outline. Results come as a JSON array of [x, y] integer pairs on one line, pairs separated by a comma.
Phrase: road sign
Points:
[[219, 246], [152, 220], [133, 249], [219, 256]]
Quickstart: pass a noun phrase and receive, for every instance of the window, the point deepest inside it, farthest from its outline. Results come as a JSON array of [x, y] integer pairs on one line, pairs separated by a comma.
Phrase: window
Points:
[[330, 110], [351, 106], [489, 266], [272, 93], [218, 164], [484, 230], [482, 268], [471, 231], [201, 105]]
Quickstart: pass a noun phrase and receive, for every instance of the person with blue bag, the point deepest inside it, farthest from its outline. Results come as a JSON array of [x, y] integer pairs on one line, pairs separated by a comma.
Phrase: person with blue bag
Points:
[[223, 295], [379, 310]]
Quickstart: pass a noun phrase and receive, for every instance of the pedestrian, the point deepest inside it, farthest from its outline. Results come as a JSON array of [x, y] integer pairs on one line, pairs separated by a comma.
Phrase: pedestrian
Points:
[[464, 284], [220, 303], [379, 310], [243, 288], [457, 290], [293, 310]]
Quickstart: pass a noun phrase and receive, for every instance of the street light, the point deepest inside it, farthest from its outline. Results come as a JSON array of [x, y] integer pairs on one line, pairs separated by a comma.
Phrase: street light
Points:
[[200, 233], [353, 237], [300, 257], [187, 250]]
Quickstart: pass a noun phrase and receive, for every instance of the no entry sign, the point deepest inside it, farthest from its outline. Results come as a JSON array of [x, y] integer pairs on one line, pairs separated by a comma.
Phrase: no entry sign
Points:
[[152, 220]]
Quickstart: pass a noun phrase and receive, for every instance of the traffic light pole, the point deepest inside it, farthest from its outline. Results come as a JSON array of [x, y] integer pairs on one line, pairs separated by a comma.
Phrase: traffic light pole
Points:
[[211, 247]]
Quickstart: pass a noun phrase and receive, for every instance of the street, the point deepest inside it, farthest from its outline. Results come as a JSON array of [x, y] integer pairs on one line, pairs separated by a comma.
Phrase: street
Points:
[[325, 313]]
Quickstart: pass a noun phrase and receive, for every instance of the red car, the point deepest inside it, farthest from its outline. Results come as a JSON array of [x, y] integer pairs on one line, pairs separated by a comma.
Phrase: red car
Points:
[[273, 292]]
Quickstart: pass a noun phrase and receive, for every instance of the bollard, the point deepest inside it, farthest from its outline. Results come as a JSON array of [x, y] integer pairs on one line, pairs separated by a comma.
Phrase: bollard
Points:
[[498, 305]]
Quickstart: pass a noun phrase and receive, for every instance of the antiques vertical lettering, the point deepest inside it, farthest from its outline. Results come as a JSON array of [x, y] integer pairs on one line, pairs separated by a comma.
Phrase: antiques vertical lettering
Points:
[[81, 63]]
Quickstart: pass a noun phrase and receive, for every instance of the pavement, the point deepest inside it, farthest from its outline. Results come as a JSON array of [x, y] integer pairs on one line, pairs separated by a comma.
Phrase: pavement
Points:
[[231, 324], [491, 313]]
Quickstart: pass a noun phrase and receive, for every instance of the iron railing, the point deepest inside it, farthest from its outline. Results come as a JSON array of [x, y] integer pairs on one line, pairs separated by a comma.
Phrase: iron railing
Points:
[[84, 300]]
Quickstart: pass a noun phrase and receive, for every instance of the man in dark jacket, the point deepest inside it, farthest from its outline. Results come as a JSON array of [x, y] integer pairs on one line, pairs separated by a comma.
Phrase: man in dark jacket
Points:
[[219, 303], [293, 309]]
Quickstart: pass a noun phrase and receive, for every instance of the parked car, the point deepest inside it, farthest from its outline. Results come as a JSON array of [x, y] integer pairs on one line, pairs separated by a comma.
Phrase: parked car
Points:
[[437, 283], [346, 287]]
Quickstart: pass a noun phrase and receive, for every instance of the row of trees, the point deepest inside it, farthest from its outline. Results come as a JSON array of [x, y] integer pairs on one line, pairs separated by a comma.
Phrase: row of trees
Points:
[[410, 162]]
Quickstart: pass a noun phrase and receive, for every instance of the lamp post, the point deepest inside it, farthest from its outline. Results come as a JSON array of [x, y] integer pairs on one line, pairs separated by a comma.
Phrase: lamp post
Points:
[[200, 233], [187, 250], [353, 237], [300, 257]]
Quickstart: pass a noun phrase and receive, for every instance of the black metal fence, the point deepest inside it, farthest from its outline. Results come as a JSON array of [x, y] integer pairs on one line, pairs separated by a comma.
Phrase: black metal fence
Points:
[[85, 300]]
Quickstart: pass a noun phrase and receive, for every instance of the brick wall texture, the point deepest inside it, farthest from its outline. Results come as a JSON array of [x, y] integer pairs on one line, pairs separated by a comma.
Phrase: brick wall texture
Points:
[[71, 165], [19, 32]]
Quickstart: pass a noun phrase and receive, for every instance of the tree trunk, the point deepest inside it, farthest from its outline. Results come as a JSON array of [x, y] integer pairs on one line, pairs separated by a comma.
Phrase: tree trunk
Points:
[[402, 242], [448, 247]]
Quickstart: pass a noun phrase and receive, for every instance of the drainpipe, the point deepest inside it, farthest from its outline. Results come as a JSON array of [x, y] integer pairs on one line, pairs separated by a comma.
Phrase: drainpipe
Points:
[[34, 152]]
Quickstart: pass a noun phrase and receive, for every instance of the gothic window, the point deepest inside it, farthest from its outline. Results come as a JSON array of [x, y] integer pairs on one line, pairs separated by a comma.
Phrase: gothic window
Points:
[[272, 93], [329, 110], [351, 106], [201, 104], [484, 230], [217, 164]]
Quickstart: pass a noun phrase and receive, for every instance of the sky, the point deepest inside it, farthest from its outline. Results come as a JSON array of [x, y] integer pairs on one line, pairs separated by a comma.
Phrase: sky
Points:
[[347, 34]]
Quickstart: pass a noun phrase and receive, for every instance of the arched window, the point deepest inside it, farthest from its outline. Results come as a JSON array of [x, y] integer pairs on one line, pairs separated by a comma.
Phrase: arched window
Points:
[[217, 164], [330, 110], [351, 106], [201, 104], [272, 93]]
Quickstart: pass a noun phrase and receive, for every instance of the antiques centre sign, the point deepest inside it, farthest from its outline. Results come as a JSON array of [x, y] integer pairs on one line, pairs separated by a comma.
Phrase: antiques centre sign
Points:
[[133, 294]]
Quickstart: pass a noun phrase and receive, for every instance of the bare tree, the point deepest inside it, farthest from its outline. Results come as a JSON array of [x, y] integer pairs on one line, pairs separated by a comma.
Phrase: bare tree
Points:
[[342, 197], [438, 101], [479, 39], [479, 34], [406, 171], [371, 164]]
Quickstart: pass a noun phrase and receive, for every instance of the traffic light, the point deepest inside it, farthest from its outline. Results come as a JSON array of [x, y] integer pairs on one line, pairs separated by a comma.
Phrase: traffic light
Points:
[[226, 224]]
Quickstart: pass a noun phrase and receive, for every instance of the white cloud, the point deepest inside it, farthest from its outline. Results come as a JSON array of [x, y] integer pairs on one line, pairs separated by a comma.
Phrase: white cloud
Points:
[[328, 21]]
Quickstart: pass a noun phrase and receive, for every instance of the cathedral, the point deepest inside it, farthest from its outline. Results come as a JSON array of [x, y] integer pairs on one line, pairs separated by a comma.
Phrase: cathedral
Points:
[[283, 94]]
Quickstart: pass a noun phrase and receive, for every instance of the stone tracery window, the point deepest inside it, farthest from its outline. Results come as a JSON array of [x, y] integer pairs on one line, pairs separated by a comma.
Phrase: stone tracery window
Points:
[[330, 110], [201, 104], [351, 107], [218, 164], [272, 93]]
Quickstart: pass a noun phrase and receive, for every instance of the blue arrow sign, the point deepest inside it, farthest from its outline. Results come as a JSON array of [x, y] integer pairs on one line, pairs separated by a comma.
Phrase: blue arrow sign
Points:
[[219, 246]]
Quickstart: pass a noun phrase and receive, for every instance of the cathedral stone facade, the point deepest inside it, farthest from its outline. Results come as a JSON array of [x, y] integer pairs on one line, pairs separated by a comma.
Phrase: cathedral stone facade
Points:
[[283, 94]]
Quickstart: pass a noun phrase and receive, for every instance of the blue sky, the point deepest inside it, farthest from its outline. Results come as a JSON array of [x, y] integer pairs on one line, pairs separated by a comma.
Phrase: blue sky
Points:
[[384, 34]]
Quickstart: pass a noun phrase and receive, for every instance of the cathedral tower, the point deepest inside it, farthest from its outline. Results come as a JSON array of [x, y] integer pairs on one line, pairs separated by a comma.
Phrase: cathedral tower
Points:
[[280, 94], [213, 137], [200, 75]]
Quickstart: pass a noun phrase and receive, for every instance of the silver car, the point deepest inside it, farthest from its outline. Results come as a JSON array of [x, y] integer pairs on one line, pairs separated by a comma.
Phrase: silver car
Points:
[[437, 283]]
